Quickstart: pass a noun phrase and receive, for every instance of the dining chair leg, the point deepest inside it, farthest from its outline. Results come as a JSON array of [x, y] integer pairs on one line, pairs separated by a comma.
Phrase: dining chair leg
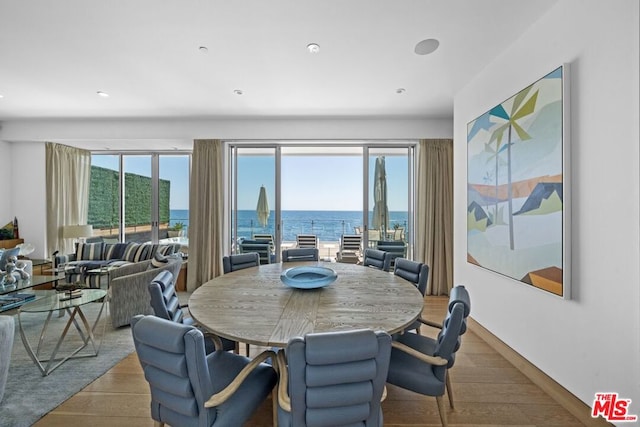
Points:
[[247, 349], [442, 411], [449, 390]]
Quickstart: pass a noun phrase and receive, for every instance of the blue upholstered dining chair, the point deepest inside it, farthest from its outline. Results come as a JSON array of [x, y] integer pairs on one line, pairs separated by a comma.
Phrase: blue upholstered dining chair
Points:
[[377, 259], [192, 388], [416, 273], [300, 254], [239, 261], [333, 378], [166, 305], [421, 364]]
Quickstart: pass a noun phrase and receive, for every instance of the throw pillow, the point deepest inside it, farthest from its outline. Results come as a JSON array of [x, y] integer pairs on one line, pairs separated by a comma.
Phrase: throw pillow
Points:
[[114, 250], [159, 260], [131, 252], [89, 251]]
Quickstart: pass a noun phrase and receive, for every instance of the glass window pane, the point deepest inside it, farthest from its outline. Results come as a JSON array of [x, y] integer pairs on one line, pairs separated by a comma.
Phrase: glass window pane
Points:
[[137, 198], [173, 199], [104, 198]]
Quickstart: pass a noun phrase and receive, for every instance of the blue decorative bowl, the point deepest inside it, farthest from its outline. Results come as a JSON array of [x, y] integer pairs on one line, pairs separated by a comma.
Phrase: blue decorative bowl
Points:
[[307, 277]]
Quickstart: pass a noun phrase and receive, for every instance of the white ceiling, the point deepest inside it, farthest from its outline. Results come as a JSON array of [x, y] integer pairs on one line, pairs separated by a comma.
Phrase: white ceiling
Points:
[[55, 56]]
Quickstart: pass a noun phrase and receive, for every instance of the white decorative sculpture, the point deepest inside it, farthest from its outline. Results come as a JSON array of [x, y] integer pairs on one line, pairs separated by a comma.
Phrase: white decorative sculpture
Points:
[[14, 271]]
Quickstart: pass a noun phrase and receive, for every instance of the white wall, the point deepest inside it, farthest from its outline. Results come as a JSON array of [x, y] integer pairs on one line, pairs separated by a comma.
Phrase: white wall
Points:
[[591, 343], [26, 149]]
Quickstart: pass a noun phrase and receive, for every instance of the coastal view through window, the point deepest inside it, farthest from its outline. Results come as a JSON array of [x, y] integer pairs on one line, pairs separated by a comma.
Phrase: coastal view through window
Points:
[[322, 193]]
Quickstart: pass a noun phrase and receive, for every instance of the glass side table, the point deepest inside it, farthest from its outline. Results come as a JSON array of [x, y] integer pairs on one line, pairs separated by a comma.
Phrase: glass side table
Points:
[[72, 305]]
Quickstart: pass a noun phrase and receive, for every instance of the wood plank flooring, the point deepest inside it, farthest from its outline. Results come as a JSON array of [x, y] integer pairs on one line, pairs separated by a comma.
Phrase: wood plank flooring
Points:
[[488, 391]]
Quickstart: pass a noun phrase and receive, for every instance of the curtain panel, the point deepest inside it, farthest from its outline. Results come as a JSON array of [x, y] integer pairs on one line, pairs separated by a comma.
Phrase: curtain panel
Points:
[[434, 222], [206, 212], [68, 173]]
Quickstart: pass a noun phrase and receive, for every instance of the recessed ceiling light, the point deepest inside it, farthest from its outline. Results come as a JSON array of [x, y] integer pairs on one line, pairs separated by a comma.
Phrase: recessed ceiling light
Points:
[[237, 91], [1, 95], [203, 49], [400, 90], [102, 94], [425, 47], [313, 48]]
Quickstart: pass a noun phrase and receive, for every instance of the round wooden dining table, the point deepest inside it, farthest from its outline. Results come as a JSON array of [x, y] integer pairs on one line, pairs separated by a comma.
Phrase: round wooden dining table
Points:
[[255, 307]]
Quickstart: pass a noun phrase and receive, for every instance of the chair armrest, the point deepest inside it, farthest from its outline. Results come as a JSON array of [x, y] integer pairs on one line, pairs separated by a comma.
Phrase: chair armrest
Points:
[[283, 379], [228, 391], [217, 342], [433, 360], [430, 323]]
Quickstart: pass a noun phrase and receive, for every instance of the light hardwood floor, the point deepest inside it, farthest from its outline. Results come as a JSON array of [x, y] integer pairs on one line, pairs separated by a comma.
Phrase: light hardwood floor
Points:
[[488, 390]]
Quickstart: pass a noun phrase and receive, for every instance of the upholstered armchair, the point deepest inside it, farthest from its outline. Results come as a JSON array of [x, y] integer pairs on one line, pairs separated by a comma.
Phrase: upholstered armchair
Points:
[[192, 388], [377, 259], [165, 304], [239, 261], [421, 364], [7, 330], [333, 378], [416, 273], [300, 254], [129, 287]]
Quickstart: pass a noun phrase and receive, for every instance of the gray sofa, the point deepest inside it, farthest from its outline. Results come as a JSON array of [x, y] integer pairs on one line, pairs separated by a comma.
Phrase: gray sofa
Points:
[[129, 289]]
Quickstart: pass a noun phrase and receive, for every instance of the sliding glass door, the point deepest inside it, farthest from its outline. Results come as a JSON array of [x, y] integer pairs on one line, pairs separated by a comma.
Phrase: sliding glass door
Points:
[[327, 190], [140, 197]]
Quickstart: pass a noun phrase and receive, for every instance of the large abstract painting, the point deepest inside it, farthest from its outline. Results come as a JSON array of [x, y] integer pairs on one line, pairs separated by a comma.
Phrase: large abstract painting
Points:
[[517, 193]]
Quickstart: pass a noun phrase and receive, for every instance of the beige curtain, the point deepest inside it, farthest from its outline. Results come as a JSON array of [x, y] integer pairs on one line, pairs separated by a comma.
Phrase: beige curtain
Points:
[[434, 223], [68, 172], [206, 212]]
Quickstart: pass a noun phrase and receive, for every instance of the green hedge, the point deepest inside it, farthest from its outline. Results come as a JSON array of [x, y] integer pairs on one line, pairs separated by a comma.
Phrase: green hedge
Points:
[[103, 199]]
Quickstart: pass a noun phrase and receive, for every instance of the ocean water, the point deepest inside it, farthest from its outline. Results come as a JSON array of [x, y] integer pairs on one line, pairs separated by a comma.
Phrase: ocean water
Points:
[[327, 225]]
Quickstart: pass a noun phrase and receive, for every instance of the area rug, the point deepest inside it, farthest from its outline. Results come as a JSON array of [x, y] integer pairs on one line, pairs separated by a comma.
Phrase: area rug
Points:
[[28, 395]]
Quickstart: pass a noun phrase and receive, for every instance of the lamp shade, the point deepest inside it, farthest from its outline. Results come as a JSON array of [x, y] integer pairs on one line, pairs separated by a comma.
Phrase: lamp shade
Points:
[[76, 231]]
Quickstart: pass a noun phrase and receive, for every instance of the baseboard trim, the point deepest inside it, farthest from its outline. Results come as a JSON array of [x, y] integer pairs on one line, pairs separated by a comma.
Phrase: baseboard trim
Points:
[[564, 397]]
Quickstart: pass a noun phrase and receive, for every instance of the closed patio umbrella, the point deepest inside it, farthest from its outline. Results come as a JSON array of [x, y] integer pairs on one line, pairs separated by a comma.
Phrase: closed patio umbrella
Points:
[[263, 207], [380, 218]]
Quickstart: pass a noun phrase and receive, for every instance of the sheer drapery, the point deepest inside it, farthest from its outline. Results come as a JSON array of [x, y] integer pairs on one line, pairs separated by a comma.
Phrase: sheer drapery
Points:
[[68, 173], [434, 222], [206, 212]]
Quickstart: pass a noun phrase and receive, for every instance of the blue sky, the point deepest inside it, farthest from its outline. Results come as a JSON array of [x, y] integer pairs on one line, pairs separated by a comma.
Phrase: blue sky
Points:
[[319, 182]]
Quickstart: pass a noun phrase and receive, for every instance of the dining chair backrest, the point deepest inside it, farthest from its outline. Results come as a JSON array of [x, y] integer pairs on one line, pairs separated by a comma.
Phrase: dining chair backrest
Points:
[[413, 271], [376, 258], [300, 254], [164, 300], [240, 261], [337, 378], [396, 249]]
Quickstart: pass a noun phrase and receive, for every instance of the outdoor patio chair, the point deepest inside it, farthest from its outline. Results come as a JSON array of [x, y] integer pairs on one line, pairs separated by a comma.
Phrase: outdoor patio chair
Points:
[[350, 248], [396, 249], [377, 259], [190, 387], [306, 241], [166, 305], [300, 254], [416, 273], [333, 378]]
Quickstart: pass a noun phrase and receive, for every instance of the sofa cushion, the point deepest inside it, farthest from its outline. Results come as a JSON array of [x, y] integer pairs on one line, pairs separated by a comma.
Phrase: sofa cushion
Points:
[[115, 250], [89, 251], [158, 261]]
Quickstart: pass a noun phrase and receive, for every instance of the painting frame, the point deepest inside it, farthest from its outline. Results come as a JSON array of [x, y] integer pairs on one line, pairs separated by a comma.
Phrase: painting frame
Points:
[[518, 186]]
